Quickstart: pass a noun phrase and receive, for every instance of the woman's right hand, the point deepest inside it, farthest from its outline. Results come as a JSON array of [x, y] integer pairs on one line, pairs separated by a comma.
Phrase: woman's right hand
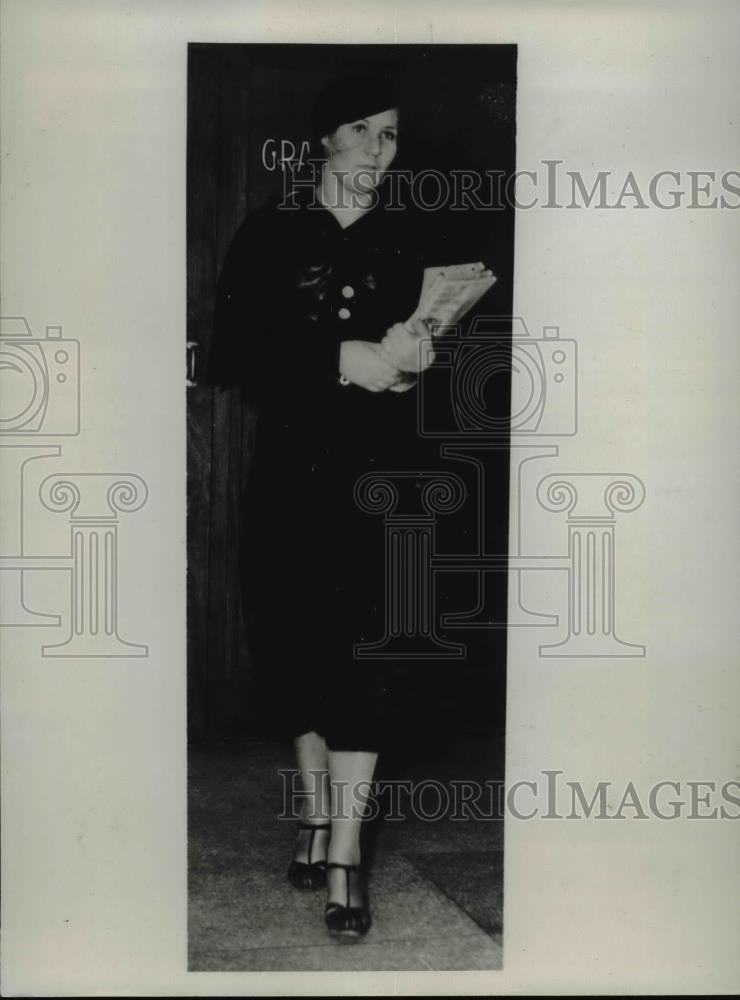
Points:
[[363, 364]]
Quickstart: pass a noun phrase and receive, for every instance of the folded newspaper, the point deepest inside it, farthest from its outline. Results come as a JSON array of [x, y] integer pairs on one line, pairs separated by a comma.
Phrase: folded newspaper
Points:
[[447, 294]]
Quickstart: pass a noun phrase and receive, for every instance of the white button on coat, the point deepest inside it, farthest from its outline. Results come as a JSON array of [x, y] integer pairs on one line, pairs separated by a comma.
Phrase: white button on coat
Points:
[[344, 313], [348, 291]]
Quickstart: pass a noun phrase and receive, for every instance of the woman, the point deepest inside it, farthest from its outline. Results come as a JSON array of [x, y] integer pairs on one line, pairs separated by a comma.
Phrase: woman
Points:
[[310, 320]]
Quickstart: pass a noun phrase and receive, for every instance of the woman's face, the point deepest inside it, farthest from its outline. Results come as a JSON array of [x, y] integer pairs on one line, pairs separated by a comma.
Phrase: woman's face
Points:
[[360, 151]]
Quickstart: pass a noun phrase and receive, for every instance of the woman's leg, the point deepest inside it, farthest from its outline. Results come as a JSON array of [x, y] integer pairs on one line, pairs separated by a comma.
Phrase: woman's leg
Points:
[[350, 775], [312, 758]]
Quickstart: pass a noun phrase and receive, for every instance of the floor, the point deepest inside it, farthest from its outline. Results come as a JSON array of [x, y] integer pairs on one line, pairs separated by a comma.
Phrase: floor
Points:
[[436, 886]]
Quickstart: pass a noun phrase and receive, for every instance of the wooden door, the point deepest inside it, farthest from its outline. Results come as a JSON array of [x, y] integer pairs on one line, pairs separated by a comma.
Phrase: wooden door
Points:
[[238, 96], [218, 427]]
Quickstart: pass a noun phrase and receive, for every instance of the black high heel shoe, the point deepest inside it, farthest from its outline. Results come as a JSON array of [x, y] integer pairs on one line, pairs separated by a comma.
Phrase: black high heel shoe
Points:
[[349, 922], [309, 874]]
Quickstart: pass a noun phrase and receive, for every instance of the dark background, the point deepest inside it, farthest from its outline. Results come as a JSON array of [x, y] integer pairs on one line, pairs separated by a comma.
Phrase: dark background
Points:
[[458, 112]]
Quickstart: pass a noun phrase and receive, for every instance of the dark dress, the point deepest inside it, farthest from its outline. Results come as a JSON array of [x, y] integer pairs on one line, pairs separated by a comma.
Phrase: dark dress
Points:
[[293, 287]]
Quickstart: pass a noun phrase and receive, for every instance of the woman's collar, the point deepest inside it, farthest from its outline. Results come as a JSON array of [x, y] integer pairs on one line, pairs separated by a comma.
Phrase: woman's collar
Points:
[[344, 216]]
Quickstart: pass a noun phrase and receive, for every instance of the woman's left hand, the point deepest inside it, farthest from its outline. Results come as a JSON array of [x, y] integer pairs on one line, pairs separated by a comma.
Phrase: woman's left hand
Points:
[[403, 346]]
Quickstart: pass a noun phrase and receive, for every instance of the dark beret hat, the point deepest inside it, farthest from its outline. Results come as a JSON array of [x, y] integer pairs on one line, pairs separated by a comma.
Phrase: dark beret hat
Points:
[[347, 98]]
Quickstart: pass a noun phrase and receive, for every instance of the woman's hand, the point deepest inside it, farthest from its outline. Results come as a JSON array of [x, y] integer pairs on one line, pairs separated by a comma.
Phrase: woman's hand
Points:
[[365, 365], [402, 346]]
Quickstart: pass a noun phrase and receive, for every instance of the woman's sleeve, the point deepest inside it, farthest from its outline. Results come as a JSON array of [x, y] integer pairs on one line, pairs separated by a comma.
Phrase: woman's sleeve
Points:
[[262, 339]]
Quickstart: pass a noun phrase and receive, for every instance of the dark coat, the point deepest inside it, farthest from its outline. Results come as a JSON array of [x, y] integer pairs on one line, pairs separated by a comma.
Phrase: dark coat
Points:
[[293, 287]]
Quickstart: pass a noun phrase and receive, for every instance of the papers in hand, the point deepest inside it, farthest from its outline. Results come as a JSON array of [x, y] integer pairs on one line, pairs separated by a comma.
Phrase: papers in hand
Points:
[[447, 293]]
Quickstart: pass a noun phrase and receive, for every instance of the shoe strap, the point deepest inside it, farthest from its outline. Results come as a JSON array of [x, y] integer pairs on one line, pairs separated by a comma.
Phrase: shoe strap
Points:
[[347, 869], [313, 827]]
